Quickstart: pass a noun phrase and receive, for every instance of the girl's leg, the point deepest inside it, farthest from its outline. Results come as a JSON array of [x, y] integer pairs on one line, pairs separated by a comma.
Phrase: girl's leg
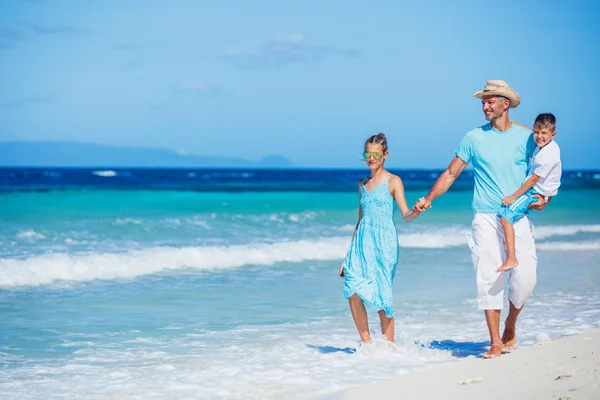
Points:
[[509, 237], [359, 313], [387, 326]]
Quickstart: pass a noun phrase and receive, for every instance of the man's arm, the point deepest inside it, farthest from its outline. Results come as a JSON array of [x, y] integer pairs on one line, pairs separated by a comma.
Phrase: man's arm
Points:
[[541, 203], [442, 184], [529, 183]]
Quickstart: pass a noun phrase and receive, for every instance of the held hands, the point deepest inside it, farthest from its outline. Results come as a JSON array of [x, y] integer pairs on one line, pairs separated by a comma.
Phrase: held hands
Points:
[[421, 205], [507, 201], [540, 204]]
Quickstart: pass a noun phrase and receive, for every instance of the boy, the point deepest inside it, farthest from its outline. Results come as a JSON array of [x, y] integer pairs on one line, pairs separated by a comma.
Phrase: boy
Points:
[[544, 174]]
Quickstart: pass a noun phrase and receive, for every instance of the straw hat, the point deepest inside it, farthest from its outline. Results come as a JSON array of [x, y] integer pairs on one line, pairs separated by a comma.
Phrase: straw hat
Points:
[[499, 88]]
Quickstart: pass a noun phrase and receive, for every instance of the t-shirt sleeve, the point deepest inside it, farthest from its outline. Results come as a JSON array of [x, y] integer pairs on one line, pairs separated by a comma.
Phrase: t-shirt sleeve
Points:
[[464, 150], [546, 160]]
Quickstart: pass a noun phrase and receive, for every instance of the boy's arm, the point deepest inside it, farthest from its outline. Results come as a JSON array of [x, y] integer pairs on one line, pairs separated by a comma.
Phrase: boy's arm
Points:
[[520, 124], [529, 183]]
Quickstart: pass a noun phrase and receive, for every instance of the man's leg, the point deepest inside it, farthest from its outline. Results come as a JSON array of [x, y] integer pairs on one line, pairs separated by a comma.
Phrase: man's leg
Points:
[[359, 313], [522, 280], [492, 317], [487, 250], [509, 337]]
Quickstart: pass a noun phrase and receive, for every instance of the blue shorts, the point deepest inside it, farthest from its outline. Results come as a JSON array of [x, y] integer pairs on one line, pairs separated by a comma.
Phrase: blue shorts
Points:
[[519, 207]]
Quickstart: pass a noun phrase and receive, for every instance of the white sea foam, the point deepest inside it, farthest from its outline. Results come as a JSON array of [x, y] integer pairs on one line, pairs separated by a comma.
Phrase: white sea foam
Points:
[[46, 269], [49, 268], [30, 235], [569, 246], [270, 361], [107, 173], [441, 239], [128, 221], [306, 359], [543, 232]]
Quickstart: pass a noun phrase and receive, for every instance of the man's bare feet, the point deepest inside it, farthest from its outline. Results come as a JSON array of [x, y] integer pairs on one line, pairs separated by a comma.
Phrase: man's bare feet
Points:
[[509, 264], [509, 339], [494, 351]]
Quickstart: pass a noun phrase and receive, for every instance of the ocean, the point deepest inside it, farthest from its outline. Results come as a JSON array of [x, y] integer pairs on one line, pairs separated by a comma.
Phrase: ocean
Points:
[[206, 284]]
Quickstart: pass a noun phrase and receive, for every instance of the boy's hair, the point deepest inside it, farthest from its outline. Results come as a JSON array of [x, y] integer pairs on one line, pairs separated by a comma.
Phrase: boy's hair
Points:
[[378, 139], [546, 120]]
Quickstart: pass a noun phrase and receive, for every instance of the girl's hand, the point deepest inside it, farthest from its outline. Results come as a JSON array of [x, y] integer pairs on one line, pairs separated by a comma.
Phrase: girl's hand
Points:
[[341, 273], [421, 205]]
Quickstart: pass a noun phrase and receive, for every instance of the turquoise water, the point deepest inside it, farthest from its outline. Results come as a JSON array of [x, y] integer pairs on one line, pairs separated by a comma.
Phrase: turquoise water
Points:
[[171, 294]]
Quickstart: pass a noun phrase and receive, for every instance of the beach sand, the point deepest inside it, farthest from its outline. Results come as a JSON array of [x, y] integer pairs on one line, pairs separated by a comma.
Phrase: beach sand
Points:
[[568, 368]]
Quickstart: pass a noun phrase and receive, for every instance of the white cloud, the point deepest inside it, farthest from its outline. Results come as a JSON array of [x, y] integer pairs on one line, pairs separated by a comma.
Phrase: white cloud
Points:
[[283, 49]]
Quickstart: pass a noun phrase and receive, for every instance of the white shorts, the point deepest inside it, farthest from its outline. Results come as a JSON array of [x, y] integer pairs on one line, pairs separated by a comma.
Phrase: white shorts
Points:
[[488, 252]]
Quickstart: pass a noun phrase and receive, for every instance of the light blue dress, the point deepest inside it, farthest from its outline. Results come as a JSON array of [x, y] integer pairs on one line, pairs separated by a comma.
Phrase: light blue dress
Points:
[[370, 264]]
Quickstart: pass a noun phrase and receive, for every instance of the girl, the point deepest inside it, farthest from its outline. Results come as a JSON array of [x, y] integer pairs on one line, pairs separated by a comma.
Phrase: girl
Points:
[[370, 263]]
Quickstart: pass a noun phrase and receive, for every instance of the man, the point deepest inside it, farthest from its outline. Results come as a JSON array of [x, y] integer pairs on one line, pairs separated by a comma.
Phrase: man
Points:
[[499, 152]]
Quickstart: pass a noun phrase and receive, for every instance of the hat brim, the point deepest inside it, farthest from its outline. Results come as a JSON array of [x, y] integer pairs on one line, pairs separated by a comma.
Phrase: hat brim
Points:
[[514, 98]]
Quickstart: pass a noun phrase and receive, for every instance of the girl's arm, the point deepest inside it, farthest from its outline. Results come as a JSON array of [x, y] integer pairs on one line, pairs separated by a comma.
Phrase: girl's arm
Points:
[[398, 194], [529, 183]]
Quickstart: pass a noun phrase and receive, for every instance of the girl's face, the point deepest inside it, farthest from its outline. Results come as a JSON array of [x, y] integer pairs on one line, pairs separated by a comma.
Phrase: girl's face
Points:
[[374, 155]]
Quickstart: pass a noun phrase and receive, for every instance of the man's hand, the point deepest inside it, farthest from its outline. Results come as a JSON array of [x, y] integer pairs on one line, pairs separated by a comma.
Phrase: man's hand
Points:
[[421, 205], [508, 200], [540, 204]]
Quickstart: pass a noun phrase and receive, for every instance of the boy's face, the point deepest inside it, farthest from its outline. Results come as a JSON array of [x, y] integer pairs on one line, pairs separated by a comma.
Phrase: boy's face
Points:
[[543, 135]]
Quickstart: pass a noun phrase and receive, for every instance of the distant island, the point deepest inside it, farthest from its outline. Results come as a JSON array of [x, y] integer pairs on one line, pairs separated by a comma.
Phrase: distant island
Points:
[[76, 154]]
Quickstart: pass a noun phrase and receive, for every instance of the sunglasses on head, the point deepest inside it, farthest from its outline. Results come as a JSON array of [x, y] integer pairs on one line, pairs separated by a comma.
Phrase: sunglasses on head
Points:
[[376, 155]]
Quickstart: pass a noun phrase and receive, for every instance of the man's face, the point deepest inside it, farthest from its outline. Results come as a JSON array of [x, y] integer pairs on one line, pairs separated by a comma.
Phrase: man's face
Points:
[[493, 107], [543, 135]]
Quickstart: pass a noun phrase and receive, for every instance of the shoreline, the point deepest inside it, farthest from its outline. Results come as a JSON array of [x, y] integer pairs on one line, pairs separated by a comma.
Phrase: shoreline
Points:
[[567, 368]]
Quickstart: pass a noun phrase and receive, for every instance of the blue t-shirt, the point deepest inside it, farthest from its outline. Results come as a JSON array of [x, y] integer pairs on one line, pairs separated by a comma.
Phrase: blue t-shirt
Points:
[[499, 163]]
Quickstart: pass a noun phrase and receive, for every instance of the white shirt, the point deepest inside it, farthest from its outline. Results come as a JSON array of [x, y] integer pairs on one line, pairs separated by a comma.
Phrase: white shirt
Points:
[[546, 164]]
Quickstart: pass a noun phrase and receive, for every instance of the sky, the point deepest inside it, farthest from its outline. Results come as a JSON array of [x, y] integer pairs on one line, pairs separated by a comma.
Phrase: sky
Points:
[[309, 80]]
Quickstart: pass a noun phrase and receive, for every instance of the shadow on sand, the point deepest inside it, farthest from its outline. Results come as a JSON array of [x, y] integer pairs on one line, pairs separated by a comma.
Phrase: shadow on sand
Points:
[[459, 349]]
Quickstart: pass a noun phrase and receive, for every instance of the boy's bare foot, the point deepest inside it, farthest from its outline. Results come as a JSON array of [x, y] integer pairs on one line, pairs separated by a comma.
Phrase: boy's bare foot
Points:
[[509, 264], [494, 351]]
